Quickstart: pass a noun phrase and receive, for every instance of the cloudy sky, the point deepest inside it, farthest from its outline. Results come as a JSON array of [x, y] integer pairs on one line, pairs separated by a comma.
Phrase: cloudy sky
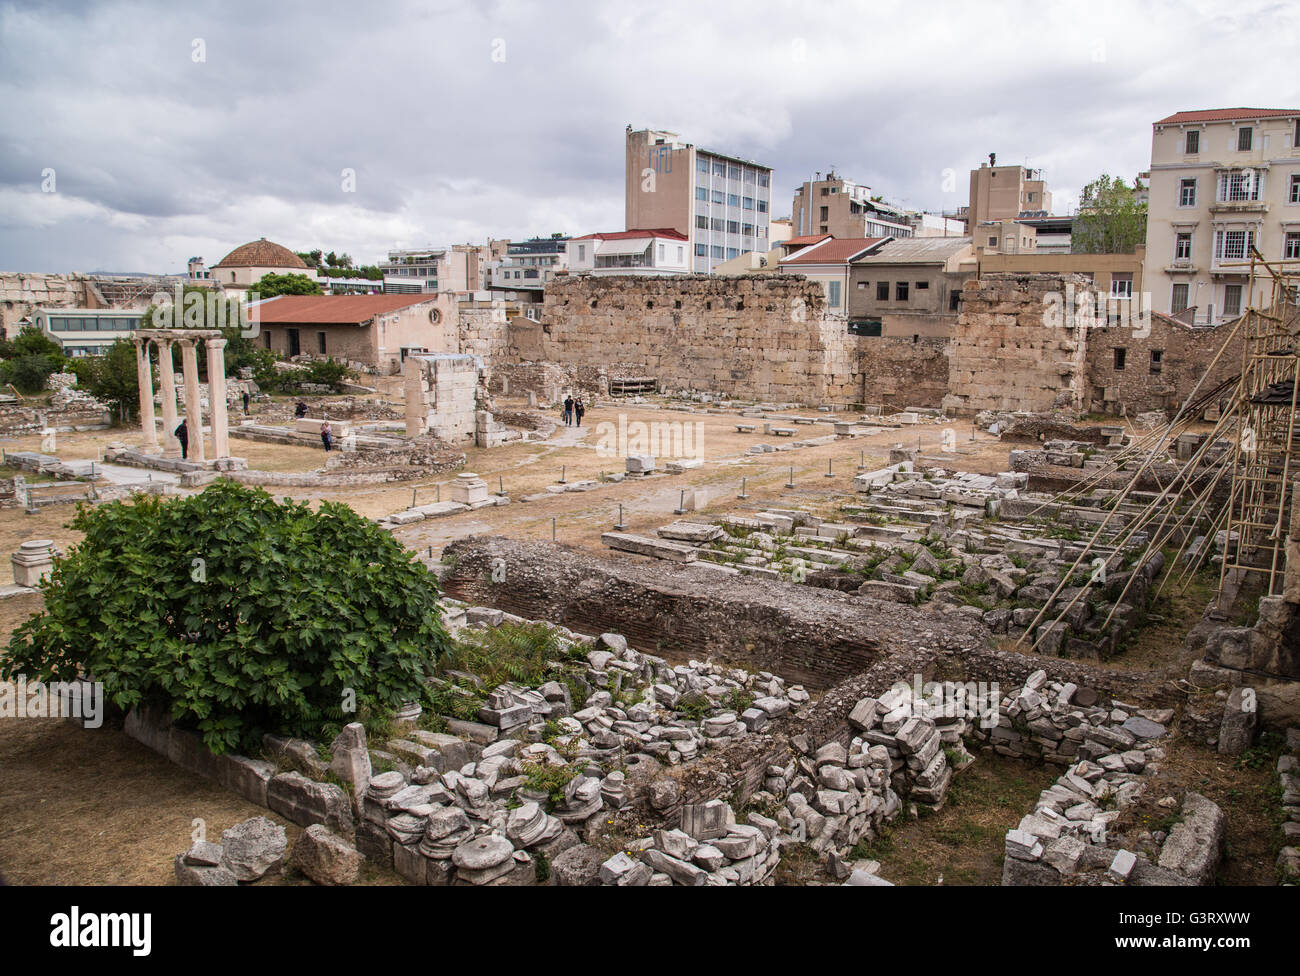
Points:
[[139, 134]]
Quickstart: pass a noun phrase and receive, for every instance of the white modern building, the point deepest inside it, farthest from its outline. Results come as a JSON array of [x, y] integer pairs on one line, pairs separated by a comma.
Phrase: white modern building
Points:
[[87, 331], [661, 251]]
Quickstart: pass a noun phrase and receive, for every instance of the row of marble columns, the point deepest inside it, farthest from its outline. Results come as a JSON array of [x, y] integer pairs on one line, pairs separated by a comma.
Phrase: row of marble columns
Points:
[[193, 412]]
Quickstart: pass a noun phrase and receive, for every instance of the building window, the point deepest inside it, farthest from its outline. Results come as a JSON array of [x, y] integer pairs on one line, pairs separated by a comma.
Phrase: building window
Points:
[[762, 206], [763, 179], [1232, 299], [1294, 195], [733, 200], [1121, 285], [1187, 193], [718, 224], [1233, 245], [1120, 354], [719, 196], [1179, 301], [716, 251], [748, 203], [1157, 359], [993, 242], [320, 343], [582, 252], [1244, 135], [733, 226], [900, 291], [882, 291], [733, 172], [701, 250], [1238, 185], [826, 213], [701, 223], [1193, 142], [922, 286], [701, 165], [833, 294], [702, 193], [954, 301], [720, 169], [1183, 247], [1291, 246], [1295, 136], [681, 254]]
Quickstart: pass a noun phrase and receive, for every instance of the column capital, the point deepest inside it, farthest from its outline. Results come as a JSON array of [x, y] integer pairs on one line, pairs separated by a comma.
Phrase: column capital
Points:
[[215, 343], [185, 343]]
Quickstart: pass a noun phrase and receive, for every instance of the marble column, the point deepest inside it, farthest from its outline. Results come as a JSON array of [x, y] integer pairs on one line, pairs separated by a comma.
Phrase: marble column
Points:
[[167, 388], [144, 376], [217, 396], [193, 408]]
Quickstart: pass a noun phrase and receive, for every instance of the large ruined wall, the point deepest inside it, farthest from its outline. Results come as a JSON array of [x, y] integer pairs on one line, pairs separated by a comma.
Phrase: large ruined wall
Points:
[[482, 329], [1014, 348], [1141, 385], [755, 337]]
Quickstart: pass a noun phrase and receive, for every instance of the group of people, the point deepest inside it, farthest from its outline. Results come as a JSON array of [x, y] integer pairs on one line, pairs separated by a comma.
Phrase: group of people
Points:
[[573, 411]]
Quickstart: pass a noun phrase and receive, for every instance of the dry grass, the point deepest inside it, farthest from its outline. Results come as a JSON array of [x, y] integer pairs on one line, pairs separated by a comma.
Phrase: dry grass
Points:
[[963, 843]]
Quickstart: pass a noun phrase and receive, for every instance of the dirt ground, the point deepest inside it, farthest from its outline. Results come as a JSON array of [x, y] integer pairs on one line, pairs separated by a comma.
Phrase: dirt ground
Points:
[[95, 807]]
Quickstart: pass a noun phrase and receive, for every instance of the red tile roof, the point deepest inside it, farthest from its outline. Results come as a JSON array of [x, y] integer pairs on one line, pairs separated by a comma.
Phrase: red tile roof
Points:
[[333, 309], [626, 235], [835, 250], [801, 241], [261, 254], [1227, 115]]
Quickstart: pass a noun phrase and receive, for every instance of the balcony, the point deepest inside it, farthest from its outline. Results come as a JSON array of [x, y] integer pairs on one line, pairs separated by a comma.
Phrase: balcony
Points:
[[1239, 207]]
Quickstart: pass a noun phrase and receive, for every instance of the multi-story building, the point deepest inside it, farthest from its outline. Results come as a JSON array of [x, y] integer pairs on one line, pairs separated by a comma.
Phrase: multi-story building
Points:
[[528, 265], [662, 251], [844, 209], [460, 268], [1006, 193], [720, 203], [1222, 181], [413, 270]]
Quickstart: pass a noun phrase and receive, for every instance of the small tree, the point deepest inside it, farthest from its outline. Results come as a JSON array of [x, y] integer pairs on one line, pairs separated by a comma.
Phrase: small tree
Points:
[[1111, 219], [112, 376], [239, 614], [270, 285]]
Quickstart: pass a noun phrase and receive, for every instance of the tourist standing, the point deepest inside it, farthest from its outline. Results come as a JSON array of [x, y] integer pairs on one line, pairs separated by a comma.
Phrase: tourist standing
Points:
[[182, 433], [326, 436], [245, 402]]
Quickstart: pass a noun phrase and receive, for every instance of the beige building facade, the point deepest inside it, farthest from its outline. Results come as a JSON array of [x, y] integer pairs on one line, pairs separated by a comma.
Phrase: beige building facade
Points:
[[910, 288], [844, 209], [1005, 192], [1222, 181]]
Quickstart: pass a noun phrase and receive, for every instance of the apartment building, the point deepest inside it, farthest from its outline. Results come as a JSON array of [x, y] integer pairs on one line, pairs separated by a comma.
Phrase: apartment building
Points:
[[1222, 180], [661, 251], [844, 209], [1006, 193], [721, 204], [528, 265]]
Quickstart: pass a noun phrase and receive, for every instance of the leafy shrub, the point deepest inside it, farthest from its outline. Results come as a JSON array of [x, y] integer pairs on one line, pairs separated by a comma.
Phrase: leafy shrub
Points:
[[240, 614], [522, 653]]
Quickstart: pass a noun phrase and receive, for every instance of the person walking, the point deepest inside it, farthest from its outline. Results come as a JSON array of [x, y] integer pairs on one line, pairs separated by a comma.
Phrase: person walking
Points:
[[578, 410], [182, 433], [326, 436], [568, 411]]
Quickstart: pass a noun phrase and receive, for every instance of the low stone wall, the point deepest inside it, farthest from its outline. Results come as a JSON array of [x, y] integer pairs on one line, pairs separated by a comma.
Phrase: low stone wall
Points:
[[812, 636]]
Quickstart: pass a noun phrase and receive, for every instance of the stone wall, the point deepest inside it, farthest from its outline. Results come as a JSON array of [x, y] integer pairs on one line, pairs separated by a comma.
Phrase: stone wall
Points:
[[809, 635], [900, 373], [756, 337], [1010, 352], [442, 396], [1143, 385]]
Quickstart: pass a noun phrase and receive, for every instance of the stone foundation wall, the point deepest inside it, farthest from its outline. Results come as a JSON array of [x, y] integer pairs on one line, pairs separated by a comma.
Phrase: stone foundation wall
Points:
[[442, 396], [809, 635], [900, 373]]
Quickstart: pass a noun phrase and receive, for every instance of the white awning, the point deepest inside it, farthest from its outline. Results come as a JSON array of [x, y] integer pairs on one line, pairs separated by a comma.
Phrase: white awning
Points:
[[636, 246]]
